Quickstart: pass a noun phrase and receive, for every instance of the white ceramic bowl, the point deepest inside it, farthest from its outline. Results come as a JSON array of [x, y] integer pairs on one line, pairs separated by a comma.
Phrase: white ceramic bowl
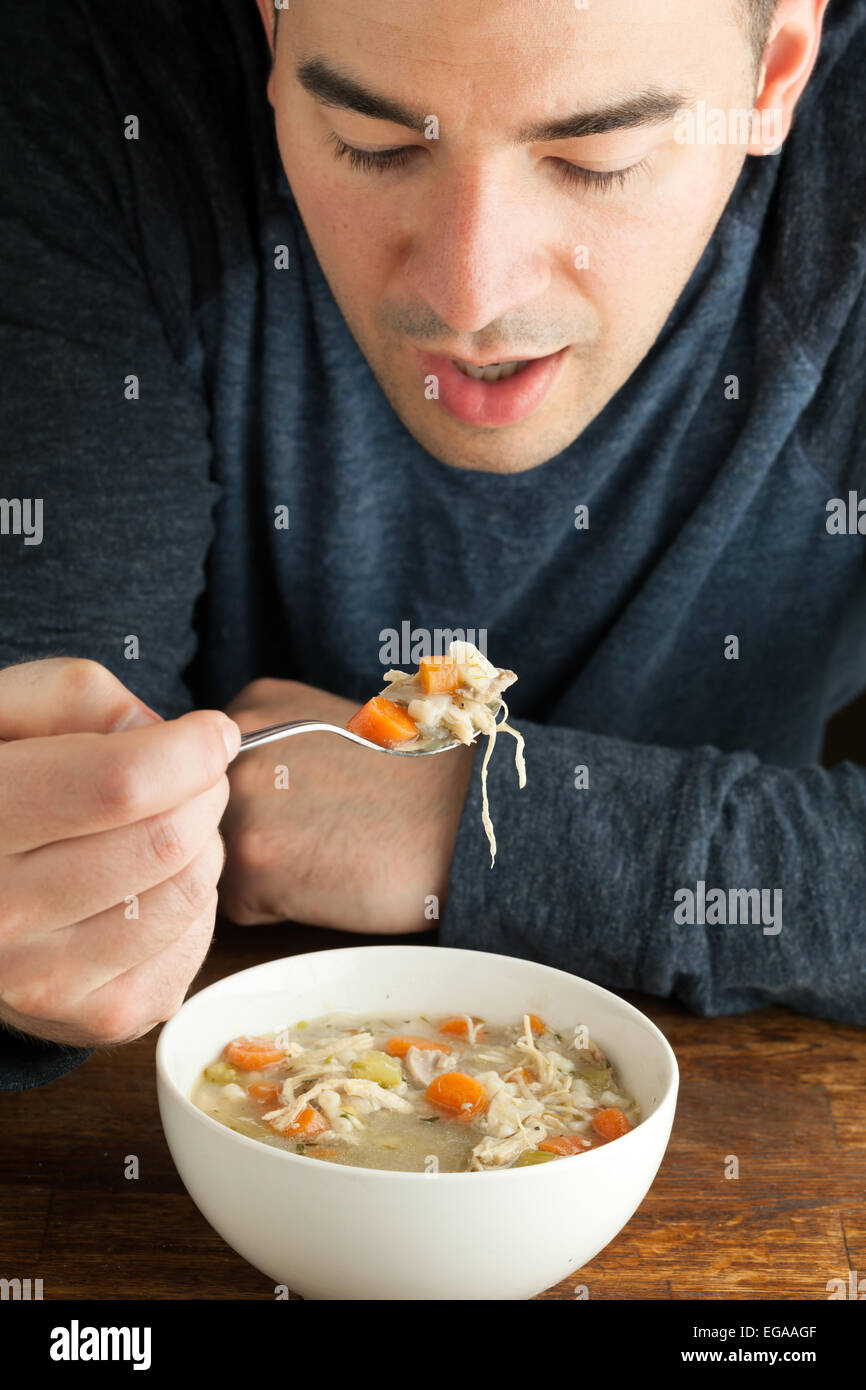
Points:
[[332, 1232]]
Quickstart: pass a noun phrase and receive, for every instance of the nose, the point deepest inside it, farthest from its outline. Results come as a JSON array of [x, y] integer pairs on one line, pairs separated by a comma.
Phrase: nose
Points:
[[481, 250]]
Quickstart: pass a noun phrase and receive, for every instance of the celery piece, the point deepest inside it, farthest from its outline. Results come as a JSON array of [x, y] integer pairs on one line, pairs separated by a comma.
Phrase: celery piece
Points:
[[593, 1076], [378, 1066]]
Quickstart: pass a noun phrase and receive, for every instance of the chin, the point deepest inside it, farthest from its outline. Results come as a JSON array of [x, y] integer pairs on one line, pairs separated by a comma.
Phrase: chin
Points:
[[512, 449]]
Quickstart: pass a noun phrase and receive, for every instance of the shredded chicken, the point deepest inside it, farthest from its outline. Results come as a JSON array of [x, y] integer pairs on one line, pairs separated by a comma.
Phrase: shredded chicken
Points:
[[471, 710], [425, 1063], [378, 1096], [506, 1113], [290, 1046], [298, 1078], [549, 1066], [493, 1153], [492, 1083]]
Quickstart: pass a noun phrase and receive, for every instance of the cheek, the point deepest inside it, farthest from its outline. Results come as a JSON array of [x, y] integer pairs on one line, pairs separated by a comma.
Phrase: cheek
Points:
[[641, 250], [349, 227], [344, 215]]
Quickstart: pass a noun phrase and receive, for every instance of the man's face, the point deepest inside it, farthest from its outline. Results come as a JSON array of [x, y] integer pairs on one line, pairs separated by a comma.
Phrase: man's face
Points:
[[495, 241]]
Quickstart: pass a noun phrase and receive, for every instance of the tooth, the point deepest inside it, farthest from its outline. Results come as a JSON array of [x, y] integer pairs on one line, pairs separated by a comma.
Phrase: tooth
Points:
[[494, 371]]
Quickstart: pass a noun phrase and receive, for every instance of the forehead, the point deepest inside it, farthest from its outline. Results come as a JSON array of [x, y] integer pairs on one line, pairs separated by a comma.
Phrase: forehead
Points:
[[500, 49]]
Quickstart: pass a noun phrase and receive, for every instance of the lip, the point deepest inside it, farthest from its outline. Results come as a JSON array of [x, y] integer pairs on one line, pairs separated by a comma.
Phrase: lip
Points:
[[491, 404]]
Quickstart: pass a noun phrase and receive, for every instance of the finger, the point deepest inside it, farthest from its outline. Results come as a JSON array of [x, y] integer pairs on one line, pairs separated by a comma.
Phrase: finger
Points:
[[134, 1002], [72, 880], [66, 695], [74, 785], [48, 980], [157, 987]]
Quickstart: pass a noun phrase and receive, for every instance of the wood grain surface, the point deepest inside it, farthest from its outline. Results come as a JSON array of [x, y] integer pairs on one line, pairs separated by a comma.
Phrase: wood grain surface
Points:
[[783, 1093]]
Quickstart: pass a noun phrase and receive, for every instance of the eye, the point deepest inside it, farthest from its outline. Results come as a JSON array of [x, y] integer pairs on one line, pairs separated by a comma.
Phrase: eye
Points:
[[378, 160], [575, 175]]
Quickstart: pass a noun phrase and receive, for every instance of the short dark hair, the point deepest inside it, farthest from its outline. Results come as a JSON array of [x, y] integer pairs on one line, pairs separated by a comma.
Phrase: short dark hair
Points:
[[758, 16]]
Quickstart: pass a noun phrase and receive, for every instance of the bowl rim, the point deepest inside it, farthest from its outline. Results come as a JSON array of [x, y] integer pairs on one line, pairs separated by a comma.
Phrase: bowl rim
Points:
[[389, 1174]]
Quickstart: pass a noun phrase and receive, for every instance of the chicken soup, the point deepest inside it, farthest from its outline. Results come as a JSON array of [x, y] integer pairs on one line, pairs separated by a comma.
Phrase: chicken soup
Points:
[[456, 1094]]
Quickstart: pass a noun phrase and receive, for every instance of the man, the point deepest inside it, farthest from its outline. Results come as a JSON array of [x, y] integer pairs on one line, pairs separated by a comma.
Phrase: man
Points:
[[250, 279]]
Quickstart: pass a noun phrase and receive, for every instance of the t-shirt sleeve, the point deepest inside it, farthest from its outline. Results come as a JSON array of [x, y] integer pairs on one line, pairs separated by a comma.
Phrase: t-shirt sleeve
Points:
[[711, 877], [107, 496], [106, 467], [29, 1062]]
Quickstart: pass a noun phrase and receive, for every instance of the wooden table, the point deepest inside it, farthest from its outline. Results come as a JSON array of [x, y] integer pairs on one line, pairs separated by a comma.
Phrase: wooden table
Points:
[[785, 1094]]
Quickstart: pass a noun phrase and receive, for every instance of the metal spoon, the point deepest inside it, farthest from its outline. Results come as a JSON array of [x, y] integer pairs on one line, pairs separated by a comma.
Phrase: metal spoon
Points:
[[314, 726]]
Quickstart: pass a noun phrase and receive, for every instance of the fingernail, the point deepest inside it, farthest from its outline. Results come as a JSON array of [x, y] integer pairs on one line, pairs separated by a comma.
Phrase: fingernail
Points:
[[231, 737], [139, 718]]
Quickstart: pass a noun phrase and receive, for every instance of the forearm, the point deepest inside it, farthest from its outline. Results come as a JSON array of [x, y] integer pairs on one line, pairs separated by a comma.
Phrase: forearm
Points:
[[598, 880]]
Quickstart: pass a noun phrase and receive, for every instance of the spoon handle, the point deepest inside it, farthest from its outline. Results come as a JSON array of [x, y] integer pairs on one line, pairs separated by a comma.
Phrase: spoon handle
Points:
[[313, 726], [300, 726]]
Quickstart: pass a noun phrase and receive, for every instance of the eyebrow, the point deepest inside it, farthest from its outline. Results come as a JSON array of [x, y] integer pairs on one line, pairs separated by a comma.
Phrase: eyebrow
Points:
[[332, 88]]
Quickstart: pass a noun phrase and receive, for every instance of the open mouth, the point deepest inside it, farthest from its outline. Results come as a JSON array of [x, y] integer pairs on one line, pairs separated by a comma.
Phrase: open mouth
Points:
[[495, 371], [493, 395]]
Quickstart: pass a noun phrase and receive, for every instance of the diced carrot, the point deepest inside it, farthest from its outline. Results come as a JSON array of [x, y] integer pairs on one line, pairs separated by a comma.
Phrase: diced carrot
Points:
[[399, 1045], [254, 1054], [457, 1095], [383, 722], [457, 1027], [263, 1091], [305, 1125], [438, 675], [610, 1124], [537, 1024], [322, 1153], [565, 1144]]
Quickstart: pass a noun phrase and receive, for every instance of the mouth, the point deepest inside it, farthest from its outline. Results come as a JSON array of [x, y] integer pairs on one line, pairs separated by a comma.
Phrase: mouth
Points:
[[489, 395], [494, 371]]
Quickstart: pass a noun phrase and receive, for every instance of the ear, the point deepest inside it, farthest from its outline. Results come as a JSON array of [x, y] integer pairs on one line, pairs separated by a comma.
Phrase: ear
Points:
[[789, 58], [267, 12]]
